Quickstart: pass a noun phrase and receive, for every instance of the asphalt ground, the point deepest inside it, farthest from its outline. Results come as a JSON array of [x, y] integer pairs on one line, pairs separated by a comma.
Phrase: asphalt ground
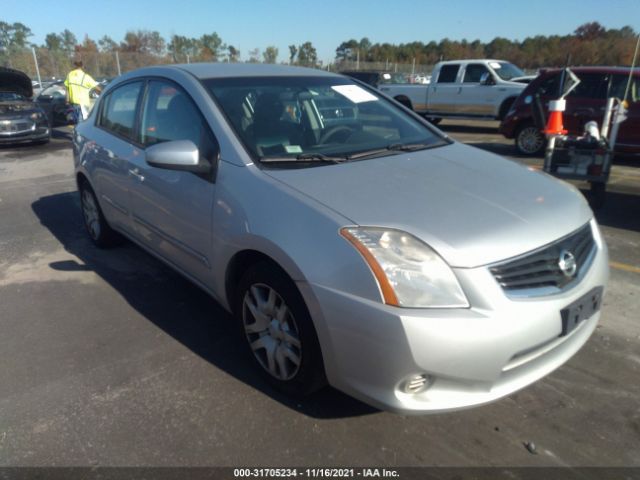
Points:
[[109, 358]]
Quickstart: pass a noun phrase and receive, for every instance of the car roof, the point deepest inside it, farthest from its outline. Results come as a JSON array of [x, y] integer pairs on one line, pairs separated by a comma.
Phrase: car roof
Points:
[[221, 70], [595, 69], [472, 60]]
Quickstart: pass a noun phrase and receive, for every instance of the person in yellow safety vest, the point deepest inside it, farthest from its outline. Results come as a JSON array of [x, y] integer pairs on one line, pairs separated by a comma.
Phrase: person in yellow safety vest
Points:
[[79, 84]]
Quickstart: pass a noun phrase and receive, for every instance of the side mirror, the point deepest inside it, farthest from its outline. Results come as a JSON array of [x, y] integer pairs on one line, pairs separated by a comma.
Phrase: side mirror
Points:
[[487, 79], [177, 155]]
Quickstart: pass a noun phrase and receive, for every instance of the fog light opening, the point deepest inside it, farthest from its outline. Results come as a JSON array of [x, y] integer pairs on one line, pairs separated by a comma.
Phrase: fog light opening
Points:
[[417, 383]]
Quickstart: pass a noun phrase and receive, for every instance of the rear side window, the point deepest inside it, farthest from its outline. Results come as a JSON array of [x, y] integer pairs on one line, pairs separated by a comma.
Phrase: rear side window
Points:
[[448, 73], [473, 73], [118, 113], [592, 85]]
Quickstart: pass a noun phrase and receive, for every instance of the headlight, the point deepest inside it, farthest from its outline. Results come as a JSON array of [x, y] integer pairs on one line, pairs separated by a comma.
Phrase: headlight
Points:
[[409, 272], [36, 116]]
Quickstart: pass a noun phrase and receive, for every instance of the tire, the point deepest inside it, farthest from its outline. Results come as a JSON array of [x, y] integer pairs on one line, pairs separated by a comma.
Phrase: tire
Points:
[[278, 330], [529, 140], [100, 233]]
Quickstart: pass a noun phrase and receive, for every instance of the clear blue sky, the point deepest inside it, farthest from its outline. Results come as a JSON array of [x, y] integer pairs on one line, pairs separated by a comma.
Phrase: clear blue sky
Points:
[[247, 24]]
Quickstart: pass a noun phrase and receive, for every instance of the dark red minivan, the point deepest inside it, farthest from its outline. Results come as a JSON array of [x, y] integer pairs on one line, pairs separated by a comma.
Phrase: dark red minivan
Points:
[[585, 103]]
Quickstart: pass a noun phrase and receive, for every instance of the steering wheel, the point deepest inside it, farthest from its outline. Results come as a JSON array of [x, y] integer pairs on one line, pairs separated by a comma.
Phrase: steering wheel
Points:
[[342, 132]]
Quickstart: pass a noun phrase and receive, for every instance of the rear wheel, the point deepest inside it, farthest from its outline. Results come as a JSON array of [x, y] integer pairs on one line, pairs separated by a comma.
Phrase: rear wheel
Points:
[[279, 331], [529, 140], [101, 234]]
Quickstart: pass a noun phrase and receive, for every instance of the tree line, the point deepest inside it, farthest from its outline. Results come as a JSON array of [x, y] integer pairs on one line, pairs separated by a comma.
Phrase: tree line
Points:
[[589, 44], [137, 48]]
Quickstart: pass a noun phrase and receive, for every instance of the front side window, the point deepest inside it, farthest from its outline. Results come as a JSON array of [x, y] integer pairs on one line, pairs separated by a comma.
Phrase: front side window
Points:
[[473, 73], [316, 118], [169, 114], [448, 73], [119, 110]]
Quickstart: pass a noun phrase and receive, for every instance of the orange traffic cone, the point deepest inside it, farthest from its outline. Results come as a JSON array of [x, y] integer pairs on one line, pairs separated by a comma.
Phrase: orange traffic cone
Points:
[[554, 124]]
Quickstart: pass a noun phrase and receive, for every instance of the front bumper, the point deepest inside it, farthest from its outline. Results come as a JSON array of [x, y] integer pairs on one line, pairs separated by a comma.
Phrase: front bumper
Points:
[[473, 356], [23, 130]]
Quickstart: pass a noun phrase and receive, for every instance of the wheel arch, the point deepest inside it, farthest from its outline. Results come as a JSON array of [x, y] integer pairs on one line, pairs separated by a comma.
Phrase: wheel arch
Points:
[[404, 100], [505, 106]]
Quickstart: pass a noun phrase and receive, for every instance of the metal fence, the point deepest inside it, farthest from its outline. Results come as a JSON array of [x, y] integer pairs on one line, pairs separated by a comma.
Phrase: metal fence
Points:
[[46, 64]]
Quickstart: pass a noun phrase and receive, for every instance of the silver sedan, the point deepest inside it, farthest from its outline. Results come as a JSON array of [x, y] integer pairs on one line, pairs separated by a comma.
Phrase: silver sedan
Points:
[[355, 244]]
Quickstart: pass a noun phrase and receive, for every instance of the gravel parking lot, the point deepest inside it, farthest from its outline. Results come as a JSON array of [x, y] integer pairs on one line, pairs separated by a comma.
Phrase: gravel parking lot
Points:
[[110, 358]]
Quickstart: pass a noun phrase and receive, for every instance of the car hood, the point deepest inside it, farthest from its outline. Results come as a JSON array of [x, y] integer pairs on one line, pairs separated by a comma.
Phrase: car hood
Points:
[[471, 206], [15, 81]]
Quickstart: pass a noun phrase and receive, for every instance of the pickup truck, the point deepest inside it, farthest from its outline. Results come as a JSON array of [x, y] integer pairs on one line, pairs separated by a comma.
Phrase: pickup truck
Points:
[[477, 89]]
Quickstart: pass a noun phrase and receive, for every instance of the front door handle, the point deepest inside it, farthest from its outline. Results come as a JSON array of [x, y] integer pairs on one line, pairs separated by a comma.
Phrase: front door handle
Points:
[[136, 173]]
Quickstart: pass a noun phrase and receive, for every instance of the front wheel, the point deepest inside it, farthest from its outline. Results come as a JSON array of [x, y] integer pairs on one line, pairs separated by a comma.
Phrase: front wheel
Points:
[[530, 140], [279, 331]]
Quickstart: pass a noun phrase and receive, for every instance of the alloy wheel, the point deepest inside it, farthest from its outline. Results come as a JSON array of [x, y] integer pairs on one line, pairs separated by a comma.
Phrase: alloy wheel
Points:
[[91, 214], [272, 332]]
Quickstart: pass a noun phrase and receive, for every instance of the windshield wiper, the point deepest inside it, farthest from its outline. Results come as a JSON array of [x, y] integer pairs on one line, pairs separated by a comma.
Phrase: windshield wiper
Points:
[[306, 157], [409, 147], [394, 147]]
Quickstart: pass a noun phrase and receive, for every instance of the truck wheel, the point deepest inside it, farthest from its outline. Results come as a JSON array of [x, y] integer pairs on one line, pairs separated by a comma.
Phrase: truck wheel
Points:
[[529, 140]]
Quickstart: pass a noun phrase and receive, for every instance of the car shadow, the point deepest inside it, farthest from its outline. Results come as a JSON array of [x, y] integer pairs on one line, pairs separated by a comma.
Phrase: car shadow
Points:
[[175, 305], [620, 210]]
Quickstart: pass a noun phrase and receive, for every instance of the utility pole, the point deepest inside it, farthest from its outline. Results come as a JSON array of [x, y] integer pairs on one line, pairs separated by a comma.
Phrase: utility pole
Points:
[[118, 63], [35, 60]]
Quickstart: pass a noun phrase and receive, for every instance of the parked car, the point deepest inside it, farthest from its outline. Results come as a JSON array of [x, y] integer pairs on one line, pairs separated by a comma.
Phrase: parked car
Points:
[[53, 100], [21, 120], [413, 272], [477, 89], [585, 103], [375, 78]]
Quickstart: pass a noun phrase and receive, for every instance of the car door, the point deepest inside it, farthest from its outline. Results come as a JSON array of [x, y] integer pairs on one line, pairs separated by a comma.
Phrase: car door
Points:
[[113, 150], [444, 92], [172, 210], [473, 97]]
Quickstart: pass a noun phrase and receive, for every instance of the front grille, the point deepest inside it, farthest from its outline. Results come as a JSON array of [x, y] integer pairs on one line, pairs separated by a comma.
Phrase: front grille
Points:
[[540, 269], [15, 127]]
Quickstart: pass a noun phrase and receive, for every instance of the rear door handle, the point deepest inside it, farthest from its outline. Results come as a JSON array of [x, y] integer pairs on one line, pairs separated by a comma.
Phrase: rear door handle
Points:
[[136, 173]]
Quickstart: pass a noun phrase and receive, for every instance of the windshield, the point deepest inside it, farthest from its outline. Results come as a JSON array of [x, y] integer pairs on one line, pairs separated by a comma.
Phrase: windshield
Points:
[[307, 119], [506, 71], [10, 97]]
